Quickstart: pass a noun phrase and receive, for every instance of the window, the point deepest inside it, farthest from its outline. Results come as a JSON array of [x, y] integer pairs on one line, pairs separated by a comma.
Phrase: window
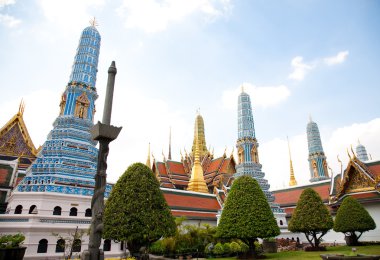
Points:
[[60, 246], [77, 244], [281, 223], [33, 209], [18, 209], [42, 246], [57, 211], [107, 245], [88, 213], [73, 211]]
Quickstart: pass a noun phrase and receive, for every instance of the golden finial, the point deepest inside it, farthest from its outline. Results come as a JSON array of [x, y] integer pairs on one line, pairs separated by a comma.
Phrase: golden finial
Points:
[[352, 150], [148, 159], [232, 152], [341, 164], [348, 154], [197, 181], [21, 107], [93, 22], [292, 181]]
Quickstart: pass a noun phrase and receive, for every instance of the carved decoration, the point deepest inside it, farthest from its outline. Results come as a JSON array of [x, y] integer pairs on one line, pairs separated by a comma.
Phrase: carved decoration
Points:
[[359, 181], [315, 170], [81, 106], [241, 154], [254, 154], [62, 104]]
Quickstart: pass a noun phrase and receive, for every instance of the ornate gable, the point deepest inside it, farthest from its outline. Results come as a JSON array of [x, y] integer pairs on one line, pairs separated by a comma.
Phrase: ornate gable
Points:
[[357, 178], [15, 139]]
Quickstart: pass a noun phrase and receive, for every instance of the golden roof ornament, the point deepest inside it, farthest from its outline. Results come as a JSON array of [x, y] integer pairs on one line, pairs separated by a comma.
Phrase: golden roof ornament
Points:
[[197, 182], [292, 181], [148, 159], [94, 22]]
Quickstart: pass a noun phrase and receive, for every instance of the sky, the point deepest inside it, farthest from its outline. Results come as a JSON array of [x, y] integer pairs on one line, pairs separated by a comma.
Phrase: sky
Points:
[[296, 59]]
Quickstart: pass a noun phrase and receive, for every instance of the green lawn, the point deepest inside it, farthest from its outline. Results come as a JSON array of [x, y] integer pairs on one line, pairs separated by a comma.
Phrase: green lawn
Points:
[[370, 250]]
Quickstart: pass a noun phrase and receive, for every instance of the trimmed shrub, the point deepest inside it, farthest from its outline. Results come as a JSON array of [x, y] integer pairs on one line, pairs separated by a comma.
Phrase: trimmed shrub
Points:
[[218, 249], [311, 217], [235, 248], [352, 219]]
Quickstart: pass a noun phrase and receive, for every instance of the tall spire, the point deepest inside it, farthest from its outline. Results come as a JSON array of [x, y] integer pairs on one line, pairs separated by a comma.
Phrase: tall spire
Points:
[[199, 135], [247, 147], [292, 181], [148, 158], [317, 158], [69, 155], [170, 144], [197, 182], [361, 152]]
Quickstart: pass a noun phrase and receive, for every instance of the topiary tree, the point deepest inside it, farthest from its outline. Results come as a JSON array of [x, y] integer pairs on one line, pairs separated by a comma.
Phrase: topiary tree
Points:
[[353, 218], [246, 214], [136, 210], [311, 217]]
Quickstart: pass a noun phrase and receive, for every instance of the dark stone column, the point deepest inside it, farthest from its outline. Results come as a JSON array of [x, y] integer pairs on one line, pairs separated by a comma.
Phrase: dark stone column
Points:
[[104, 133]]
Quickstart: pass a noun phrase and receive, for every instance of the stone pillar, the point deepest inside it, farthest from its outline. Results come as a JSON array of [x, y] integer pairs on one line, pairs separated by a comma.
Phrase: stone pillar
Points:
[[104, 133]]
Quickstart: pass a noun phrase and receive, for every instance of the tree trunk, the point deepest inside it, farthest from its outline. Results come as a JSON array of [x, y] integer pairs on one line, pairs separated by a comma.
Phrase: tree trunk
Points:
[[316, 241]]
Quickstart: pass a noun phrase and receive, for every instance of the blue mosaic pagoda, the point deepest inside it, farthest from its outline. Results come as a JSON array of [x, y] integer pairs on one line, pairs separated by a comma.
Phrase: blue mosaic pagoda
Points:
[[317, 158], [361, 152], [247, 147], [68, 159]]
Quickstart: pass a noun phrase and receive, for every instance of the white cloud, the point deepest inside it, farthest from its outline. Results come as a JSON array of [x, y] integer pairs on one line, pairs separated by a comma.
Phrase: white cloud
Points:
[[154, 16], [9, 20], [6, 2], [337, 59], [300, 69], [261, 96], [69, 13], [334, 143]]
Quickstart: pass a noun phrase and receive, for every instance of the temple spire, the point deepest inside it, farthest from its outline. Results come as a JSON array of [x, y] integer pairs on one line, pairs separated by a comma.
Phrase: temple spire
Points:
[[170, 144], [361, 152], [317, 158], [199, 136], [148, 158], [292, 181], [197, 182]]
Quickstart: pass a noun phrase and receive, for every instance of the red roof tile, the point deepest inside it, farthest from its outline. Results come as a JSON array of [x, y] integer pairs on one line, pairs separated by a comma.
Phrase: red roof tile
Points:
[[176, 167], [190, 200], [374, 169], [161, 168], [291, 195], [214, 165], [224, 168]]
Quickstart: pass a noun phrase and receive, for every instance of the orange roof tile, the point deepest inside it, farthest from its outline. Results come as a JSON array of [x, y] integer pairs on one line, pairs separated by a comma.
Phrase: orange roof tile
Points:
[[374, 169], [291, 195], [214, 165], [161, 168], [224, 168], [189, 200], [175, 167]]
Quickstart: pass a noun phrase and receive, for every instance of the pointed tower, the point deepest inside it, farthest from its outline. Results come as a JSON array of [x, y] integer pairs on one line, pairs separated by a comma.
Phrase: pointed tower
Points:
[[199, 136], [317, 158], [170, 144], [361, 152], [197, 182], [247, 146], [68, 159], [292, 181], [148, 158]]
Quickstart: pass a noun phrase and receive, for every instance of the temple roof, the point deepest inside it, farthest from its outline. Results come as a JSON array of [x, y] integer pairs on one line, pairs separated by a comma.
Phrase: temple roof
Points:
[[290, 196], [193, 205], [15, 139]]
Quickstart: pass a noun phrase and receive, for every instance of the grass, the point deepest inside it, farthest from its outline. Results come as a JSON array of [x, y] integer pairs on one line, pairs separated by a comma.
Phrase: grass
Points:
[[346, 250]]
